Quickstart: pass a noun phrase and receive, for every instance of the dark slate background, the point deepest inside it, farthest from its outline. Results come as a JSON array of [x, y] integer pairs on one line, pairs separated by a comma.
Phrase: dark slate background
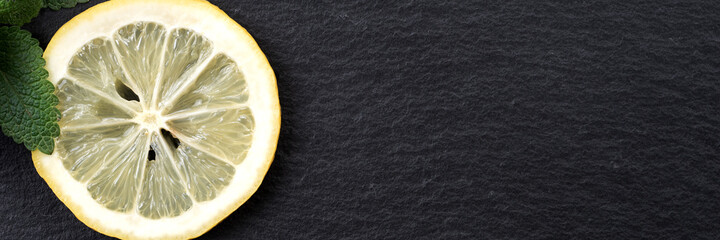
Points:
[[468, 120]]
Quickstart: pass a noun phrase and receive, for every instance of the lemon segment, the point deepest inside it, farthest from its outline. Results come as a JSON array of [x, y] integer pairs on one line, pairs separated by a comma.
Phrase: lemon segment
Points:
[[80, 148], [139, 47], [185, 51], [201, 170], [210, 138], [163, 194]]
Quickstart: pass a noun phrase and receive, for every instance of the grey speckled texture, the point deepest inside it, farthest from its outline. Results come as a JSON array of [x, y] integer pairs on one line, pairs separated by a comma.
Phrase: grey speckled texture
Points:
[[472, 120]]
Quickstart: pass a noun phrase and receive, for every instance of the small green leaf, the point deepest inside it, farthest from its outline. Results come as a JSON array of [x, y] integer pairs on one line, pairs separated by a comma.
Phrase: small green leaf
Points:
[[19, 12], [57, 4], [27, 102]]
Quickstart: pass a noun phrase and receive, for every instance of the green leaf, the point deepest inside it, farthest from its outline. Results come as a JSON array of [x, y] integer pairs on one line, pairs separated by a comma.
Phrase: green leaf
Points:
[[27, 102], [57, 4], [19, 12]]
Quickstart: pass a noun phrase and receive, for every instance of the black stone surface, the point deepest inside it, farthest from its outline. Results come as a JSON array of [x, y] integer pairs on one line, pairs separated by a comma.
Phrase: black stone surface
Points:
[[463, 120]]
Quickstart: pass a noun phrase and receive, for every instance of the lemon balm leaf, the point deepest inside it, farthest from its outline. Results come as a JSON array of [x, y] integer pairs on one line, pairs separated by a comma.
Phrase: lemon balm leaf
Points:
[[19, 12], [57, 4], [27, 102]]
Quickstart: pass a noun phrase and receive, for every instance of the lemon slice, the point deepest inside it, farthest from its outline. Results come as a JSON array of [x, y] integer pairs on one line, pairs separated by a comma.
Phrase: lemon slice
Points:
[[170, 117]]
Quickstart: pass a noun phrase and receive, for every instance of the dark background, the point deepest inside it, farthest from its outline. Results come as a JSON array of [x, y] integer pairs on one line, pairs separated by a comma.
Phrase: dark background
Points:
[[467, 120]]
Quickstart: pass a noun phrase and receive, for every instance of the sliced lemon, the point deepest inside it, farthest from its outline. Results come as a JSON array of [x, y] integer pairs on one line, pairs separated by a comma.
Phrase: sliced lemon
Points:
[[170, 117]]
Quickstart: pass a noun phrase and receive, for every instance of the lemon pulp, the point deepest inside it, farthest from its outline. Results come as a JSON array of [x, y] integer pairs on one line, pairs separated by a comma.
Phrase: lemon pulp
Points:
[[182, 88]]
